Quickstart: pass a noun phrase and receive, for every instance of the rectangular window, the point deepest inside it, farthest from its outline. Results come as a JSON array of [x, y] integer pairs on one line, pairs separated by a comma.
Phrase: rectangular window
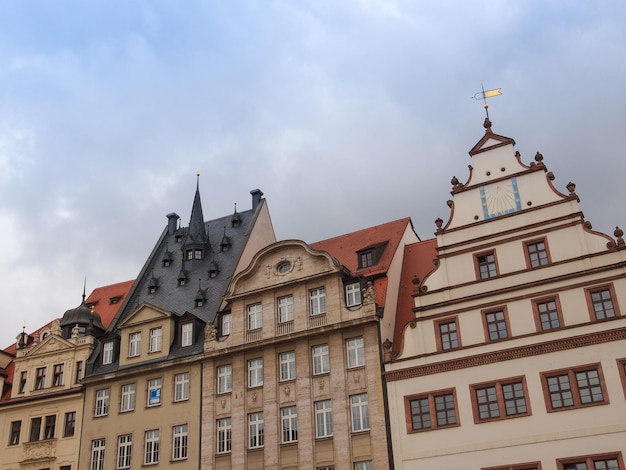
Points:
[[496, 325], [355, 352], [610, 461], [97, 454], [57, 376], [79, 371], [486, 265], [353, 294], [154, 392], [127, 402], [179, 441], [50, 425], [255, 430], [181, 387], [255, 316], [574, 388], [547, 314], [317, 300], [434, 410], [224, 435], [321, 360], [537, 254], [41, 378], [289, 424], [621, 364], [156, 339], [16, 429], [227, 323], [107, 352], [225, 379], [255, 372], [35, 429], [134, 344], [517, 466], [23, 376], [151, 451], [285, 308], [365, 465], [287, 364], [70, 424], [360, 412], [447, 331], [323, 418], [124, 450], [602, 303], [102, 402], [366, 259], [186, 334], [500, 400]]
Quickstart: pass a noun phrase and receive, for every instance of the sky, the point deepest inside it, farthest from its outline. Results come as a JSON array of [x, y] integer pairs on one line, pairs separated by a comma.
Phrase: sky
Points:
[[345, 114]]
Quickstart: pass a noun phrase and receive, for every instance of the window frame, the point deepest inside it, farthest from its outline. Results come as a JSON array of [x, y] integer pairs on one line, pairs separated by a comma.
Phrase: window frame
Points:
[[589, 460], [256, 430], [355, 352], [286, 366], [255, 372], [181, 387], [226, 324], [154, 385], [574, 387], [57, 374], [128, 396], [288, 424], [320, 358], [134, 344], [440, 334], [50, 423], [432, 410], [363, 465], [224, 439], [501, 400], [15, 431], [69, 424], [40, 378], [517, 466], [359, 412], [284, 307], [35, 429], [98, 449], [224, 378], [530, 256], [255, 316], [317, 301], [152, 444], [124, 450], [590, 291], [186, 334], [621, 364], [504, 320], [538, 313], [156, 340], [180, 442], [323, 419], [102, 402], [23, 380], [107, 352], [478, 264], [353, 294]]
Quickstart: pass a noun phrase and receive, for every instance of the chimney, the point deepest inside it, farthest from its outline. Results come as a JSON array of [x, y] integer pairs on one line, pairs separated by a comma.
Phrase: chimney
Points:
[[172, 220], [257, 194]]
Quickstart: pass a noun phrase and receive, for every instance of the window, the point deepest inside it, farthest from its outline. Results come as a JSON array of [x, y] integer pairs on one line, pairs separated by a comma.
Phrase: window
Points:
[[225, 379], [285, 309], [255, 430], [57, 376], [97, 454], [181, 387], [41, 378], [486, 265], [79, 371], [255, 316], [602, 303], [537, 254], [366, 259], [127, 402], [107, 352], [518, 466], [227, 323], [16, 429], [321, 360], [35, 429], [547, 314], [70, 424], [289, 424], [621, 364], [500, 400], [134, 344], [186, 334], [124, 450], [574, 388], [355, 352], [317, 299], [102, 402], [224, 435], [23, 376], [154, 392], [179, 442], [287, 364], [323, 418], [431, 411], [151, 453], [353, 294], [447, 334], [612, 461], [326, 467], [365, 465], [50, 426], [156, 339], [255, 372], [496, 325], [360, 412]]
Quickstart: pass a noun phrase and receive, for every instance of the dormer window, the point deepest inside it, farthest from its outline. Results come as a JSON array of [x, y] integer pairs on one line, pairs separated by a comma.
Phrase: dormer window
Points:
[[213, 269], [182, 278], [199, 302], [189, 254], [153, 285], [114, 300], [182, 281], [152, 289], [178, 238], [366, 259], [186, 334], [225, 244], [107, 352], [197, 254], [167, 263]]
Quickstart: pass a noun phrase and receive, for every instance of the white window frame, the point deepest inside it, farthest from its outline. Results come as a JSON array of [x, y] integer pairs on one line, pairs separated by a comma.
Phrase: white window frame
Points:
[[287, 365], [224, 435], [225, 378], [181, 386], [364, 465], [255, 430], [134, 344], [317, 301], [355, 352], [151, 448], [255, 316], [107, 353], [285, 309], [124, 450], [255, 372], [156, 339], [155, 390], [353, 294], [98, 447], [323, 419], [289, 424], [321, 359], [127, 402], [186, 334], [359, 407], [180, 436], [102, 402]]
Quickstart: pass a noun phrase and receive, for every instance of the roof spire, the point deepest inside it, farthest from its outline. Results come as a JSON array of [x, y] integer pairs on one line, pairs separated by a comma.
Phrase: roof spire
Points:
[[197, 232], [84, 288]]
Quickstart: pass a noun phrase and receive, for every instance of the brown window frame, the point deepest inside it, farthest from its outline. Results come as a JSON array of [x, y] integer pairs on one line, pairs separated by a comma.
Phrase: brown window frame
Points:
[[574, 387], [537, 313], [591, 306], [486, 323], [517, 466], [527, 254], [430, 396], [500, 399], [589, 460], [478, 264], [439, 334], [621, 364]]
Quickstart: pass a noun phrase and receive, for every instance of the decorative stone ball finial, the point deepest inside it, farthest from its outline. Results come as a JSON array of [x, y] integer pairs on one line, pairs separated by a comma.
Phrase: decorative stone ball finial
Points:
[[438, 223], [619, 234], [487, 125], [571, 187], [538, 157]]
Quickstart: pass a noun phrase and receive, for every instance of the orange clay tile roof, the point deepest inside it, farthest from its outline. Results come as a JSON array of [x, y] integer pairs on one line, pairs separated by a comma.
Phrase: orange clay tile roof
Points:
[[101, 298], [418, 261]]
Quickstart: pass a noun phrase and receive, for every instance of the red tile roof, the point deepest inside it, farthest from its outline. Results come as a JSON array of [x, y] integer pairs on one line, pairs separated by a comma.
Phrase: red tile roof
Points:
[[101, 299]]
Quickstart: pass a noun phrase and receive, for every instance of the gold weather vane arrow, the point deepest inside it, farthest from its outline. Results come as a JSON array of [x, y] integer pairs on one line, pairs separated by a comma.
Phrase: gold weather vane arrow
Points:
[[486, 94]]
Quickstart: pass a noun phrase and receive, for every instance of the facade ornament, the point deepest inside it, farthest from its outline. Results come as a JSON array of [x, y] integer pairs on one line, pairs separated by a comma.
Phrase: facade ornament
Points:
[[321, 384], [210, 332], [387, 350], [223, 403], [571, 187], [438, 223], [75, 331], [619, 234], [539, 159], [56, 327], [368, 293], [287, 390], [356, 378], [255, 396]]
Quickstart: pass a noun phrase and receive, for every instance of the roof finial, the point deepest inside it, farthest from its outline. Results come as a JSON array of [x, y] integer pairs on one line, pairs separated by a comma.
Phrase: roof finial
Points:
[[84, 288], [198, 180], [486, 94]]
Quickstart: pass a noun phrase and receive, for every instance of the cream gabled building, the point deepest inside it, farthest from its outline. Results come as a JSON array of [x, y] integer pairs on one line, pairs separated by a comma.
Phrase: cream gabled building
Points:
[[515, 356]]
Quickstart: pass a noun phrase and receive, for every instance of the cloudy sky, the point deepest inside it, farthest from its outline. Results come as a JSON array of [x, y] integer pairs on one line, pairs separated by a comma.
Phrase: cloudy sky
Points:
[[346, 114]]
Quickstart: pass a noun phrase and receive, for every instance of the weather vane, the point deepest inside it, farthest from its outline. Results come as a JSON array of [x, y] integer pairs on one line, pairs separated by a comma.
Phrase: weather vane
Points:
[[486, 94]]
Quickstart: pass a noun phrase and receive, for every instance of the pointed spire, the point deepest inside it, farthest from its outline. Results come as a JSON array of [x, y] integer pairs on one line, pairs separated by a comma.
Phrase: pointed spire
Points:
[[197, 231], [84, 289]]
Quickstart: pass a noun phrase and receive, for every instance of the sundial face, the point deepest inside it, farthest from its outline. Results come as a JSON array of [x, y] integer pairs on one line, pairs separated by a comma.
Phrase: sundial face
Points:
[[500, 198]]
